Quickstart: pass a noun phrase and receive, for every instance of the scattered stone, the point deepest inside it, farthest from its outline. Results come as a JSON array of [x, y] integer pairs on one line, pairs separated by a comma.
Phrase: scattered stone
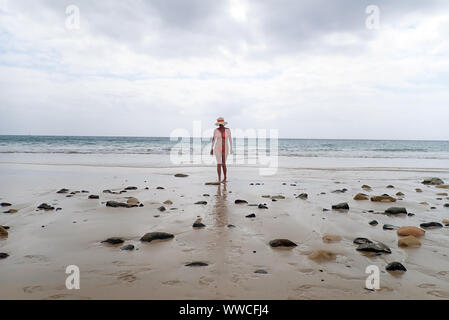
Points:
[[374, 223], [433, 181], [168, 202], [322, 255], [231, 226], [113, 240], [389, 227], [410, 231], [3, 255], [266, 196], [239, 201], [206, 195], [361, 196], [6, 227], [303, 196], [282, 243], [383, 198], [376, 247], [252, 215], [400, 194], [128, 247], [5, 204], [331, 238], [278, 197], [445, 222], [340, 191], [198, 224], [443, 194], [261, 271], [11, 211], [107, 191], [341, 206], [148, 237], [396, 210], [431, 225], [418, 190], [443, 186], [181, 175], [115, 204], [201, 202], [212, 183], [133, 202], [161, 208], [3, 232], [361, 241], [325, 210], [395, 266], [197, 264], [130, 188], [93, 196], [446, 205], [366, 187], [409, 241], [63, 191], [160, 188], [45, 207]]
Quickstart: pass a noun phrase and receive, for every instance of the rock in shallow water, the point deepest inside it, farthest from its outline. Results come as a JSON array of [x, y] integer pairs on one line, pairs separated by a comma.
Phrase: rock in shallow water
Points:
[[361, 240], [395, 266], [128, 247], [361, 196], [322, 255], [374, 223], [181, 175], [282, 243], [341, 206], [376, 247], [409, 241], [113, 240], [239, 201], [3, 255], [396, 210], [431, 225], [198, 224], [303, 196], [389, 227], [45, 207], [432, 181], [410, 231], [197, 264], [93, 196], [148, 237], [261, 271]]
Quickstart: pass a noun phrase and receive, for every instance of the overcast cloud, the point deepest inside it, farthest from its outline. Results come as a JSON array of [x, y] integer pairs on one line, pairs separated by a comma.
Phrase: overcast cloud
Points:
[[144, 68]]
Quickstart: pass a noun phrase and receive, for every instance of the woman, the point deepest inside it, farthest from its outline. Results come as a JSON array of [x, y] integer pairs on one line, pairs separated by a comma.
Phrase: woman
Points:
[[222, 135]]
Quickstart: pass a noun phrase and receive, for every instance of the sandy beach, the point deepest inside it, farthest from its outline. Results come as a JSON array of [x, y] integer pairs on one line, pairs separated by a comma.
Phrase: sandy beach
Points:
[[41, 244]]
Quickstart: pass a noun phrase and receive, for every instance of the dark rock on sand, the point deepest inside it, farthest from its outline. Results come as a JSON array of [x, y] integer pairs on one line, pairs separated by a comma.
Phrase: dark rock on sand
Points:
[[261, 271], [431, 225], [282, 243], [181, 175], [433, 181], [5, 204], [93, 196], [130, 188], [127, 247], [376, 247], [361, 196], [374, 223], [341, 206], [45, 207], [148, 237], [361, 240], [115, 204], [3, 255], [239, 201], [198, 224], [262, 206], [107, 191], [400, 194], [389, 227], [160, 188], [162, 209], [206, 195], [325, 210], [395, 266], [113, 240], [383, 198], [446, 205], [63, 191], [340, 190], [11, 211], [201, 202], [303, 196], [396, 210], [197, 264], [3, 232], [231, 226], [252, 215], [390, 186]]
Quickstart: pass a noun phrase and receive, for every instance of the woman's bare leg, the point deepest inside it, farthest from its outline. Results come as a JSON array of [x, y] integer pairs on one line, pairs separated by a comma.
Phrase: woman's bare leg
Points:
[[224, 166], [219, 171]]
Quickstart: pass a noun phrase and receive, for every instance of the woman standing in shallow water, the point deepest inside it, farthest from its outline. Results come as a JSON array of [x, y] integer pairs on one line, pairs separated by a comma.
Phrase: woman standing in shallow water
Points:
[[222, 135]]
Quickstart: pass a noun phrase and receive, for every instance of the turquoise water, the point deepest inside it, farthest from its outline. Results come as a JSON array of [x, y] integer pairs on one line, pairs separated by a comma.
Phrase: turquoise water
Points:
[[286, 147]]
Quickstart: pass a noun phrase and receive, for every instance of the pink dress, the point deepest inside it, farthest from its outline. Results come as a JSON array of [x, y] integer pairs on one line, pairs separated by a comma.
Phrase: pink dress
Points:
[[221, 144]]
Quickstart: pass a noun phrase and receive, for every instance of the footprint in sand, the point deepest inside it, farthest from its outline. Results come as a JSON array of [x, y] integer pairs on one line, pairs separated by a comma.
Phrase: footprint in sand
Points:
[[426, 285], [171, 282], [66, 296], [127, 276], [32, 289]]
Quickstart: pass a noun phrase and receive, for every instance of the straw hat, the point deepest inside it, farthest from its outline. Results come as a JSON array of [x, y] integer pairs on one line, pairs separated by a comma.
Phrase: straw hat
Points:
[[220, 121]]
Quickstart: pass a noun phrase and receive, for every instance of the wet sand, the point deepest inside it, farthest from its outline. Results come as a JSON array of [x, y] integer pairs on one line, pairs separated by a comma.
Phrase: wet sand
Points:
[[41, 244]]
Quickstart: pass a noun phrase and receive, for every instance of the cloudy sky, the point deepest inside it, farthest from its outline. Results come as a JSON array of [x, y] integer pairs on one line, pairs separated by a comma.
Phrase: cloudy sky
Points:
[[311, 69]]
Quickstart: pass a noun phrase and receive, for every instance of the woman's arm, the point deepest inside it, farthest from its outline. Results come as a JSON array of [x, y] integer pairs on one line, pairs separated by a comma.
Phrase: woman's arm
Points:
[[230, 142], [212, 145]]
